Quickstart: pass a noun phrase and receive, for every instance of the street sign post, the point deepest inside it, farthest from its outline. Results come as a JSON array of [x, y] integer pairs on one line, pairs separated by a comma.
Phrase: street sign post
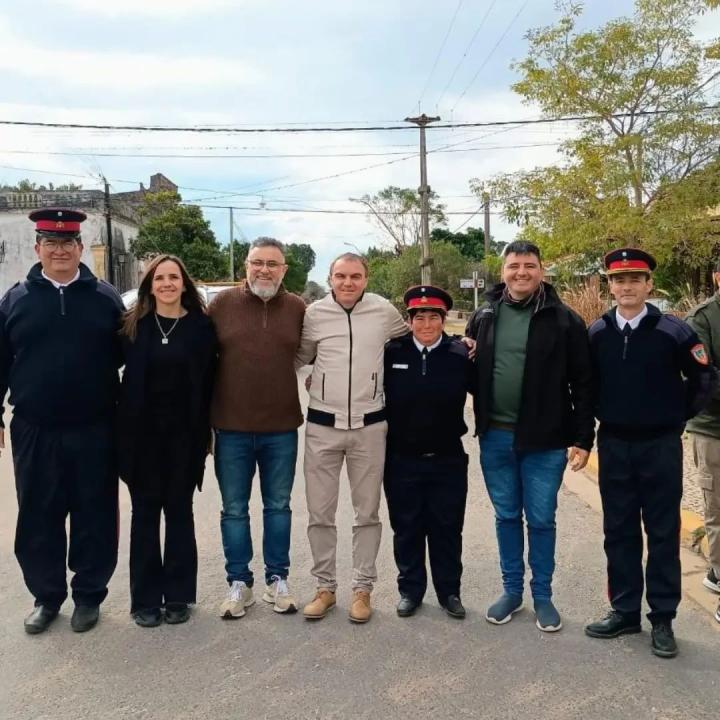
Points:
[[474, 283]]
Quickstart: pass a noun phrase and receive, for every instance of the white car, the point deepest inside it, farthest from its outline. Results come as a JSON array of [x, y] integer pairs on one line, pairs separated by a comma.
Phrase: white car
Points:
[[207, 292]]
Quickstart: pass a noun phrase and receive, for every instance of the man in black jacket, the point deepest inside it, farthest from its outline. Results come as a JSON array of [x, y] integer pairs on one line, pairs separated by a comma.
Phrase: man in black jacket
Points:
[[427, 378], [59, 355], [533, 402], [642, 402]]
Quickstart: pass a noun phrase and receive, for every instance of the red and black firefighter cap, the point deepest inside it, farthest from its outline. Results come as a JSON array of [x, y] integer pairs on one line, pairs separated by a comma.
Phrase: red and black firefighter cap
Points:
[[427, 297], [625, 260], [57, 221]]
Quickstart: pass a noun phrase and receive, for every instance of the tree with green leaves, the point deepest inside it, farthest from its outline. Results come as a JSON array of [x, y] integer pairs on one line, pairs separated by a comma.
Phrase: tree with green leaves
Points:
[[642, 169], [470, 242], [391, 277], [396, 212], [168, 227]]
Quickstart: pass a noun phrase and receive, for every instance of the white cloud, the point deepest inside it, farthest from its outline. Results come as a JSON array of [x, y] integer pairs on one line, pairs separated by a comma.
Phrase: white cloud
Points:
[[129, 71], [152, 8]]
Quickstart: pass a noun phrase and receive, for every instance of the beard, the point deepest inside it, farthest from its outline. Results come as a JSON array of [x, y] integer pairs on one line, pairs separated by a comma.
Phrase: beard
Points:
[[264, 292]]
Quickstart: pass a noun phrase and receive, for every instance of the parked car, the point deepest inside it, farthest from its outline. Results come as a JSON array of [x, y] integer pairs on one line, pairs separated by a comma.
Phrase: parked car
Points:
[[207, 290]]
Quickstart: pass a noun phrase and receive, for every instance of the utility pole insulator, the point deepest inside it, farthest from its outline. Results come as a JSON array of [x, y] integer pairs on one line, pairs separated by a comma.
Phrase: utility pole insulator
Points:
[[424, 191]]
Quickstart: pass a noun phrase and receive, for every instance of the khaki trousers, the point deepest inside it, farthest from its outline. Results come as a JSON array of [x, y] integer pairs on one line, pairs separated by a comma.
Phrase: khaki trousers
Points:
[[706, 450], [364, 453]]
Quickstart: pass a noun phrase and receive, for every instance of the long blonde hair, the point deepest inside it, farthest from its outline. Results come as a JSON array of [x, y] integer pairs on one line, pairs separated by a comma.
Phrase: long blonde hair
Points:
[[145, 303]]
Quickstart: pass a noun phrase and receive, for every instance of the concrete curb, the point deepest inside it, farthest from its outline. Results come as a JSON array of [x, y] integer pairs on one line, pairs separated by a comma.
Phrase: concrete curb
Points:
[[584, 484]]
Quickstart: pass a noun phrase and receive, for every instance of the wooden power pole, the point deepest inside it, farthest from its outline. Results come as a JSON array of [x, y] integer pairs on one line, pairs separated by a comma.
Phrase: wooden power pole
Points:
[[108, 227], [424, 191]]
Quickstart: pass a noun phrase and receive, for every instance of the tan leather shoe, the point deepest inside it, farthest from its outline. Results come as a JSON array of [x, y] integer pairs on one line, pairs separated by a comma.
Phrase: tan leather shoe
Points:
[[360, 610], [322, 603]]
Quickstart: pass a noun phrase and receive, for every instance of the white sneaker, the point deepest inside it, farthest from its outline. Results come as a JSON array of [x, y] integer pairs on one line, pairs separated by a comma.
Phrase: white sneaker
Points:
[[239, 598], [278, 593]]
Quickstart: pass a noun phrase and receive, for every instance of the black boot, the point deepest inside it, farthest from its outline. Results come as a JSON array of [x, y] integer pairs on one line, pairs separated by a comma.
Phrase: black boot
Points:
[[176, 613], [151, 617], [39, 619], [663, 640], [612, 626], [84, 617], [453, 607], [407, 606]]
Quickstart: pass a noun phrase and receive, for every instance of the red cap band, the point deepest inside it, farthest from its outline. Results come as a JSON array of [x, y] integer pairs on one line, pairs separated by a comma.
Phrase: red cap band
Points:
[[433, 303], [57, 226], [628, 266]]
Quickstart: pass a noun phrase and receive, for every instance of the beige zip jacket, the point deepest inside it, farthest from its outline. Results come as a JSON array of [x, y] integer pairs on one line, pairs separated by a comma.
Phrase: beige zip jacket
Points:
[[348, 346]]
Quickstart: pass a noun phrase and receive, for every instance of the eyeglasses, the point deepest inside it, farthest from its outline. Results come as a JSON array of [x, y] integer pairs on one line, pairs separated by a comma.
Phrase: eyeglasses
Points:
[[61, 244], [269, 264]]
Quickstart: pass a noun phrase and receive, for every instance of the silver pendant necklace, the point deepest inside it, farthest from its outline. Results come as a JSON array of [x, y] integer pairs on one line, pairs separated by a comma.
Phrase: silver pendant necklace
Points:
[[164, 334]]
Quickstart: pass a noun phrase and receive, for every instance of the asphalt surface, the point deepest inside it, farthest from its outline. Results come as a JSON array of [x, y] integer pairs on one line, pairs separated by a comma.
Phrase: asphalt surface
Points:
[[267, 665]]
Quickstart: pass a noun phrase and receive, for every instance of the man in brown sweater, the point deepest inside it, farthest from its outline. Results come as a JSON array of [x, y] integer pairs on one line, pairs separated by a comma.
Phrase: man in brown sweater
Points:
[[255, 415]]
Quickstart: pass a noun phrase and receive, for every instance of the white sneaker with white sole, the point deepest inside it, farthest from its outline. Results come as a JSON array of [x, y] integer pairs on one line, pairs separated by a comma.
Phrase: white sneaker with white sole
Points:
[[239, 598], [278, 593]]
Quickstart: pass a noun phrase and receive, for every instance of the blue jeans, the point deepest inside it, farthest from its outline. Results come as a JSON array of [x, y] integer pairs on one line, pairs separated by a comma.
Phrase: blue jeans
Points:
[[520, 482], [236, 456]]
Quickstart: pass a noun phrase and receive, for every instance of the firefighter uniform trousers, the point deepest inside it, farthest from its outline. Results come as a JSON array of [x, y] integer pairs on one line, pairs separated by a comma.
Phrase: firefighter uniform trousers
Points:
[[63, 471], [642, 479], [426, 498]]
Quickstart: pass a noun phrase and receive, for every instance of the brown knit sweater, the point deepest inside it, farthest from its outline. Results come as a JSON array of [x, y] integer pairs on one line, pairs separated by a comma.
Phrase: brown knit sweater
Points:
[[255, 384]]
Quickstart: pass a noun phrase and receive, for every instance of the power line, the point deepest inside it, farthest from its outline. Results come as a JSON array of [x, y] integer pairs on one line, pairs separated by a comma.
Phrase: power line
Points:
[[439, 53], [490, 54], [375, 128], [279, 156], [467, 49]]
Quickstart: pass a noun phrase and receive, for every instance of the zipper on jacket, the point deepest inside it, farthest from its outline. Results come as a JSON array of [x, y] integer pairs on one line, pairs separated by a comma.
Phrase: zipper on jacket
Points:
[[625, 344], [424, 362], [350, 372], [62, 301], [374, 377], [264, 315], [323, 387]]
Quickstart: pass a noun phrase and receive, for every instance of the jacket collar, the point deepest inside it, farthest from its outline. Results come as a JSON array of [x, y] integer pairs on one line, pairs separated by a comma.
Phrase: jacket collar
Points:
[[552, 299], [35, 275], [347, 310], [248, 291]]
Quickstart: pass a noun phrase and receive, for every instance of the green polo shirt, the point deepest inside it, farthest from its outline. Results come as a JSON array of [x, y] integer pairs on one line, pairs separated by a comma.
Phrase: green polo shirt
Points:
[[511, 334]]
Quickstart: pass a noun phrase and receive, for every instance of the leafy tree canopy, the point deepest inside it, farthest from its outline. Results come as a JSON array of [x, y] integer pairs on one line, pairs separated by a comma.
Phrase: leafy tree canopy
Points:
[[643, 169]]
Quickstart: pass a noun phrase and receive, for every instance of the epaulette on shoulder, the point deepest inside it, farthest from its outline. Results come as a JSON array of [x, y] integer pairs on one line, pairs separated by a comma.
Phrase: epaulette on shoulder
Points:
[[457, 347], [678, 329], [18, 290], [598, 326]]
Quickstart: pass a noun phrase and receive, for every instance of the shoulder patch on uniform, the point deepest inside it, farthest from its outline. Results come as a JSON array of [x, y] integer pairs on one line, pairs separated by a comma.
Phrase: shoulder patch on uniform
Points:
[[699, 354], [678, 329]]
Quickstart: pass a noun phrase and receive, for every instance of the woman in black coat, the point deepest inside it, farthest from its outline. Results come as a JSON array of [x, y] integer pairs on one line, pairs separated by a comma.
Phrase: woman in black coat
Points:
[[164, 430]]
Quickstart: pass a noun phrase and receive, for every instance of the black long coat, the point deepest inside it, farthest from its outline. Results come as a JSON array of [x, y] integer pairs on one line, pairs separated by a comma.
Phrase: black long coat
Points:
[[201, 364]]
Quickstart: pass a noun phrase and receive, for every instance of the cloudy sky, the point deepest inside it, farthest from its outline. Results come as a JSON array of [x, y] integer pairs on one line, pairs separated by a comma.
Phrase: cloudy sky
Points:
[[275, 63]]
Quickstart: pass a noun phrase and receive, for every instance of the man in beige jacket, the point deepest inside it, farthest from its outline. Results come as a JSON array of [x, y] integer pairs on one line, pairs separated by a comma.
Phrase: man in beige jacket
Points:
[[345, 333]]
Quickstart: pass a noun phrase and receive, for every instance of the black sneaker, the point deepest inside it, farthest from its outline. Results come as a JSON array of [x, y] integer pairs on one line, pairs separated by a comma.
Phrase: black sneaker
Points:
[[711, 581], [612, 625], [84, 618], [663, 640]]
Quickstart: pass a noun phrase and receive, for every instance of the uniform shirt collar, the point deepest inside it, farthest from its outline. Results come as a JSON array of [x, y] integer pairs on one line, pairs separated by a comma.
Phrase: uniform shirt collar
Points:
[[634, 322], [421, 347], [58, 285]]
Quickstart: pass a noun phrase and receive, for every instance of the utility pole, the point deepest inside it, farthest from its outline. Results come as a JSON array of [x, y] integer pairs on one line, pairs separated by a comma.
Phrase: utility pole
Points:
[[424, 191], [108, 228], [232, 249], [486, 225]]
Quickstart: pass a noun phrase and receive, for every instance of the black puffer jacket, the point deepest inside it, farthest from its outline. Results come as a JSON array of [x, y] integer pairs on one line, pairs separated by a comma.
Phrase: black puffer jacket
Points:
[[556, 406]]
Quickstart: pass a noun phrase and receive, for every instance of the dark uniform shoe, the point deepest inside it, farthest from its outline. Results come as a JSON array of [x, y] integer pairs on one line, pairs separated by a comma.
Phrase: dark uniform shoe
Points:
[[84, 617], [454, 607], [407, 606], [176, 613], [39, 619], [152, 617], [663, 640], [612, 626]]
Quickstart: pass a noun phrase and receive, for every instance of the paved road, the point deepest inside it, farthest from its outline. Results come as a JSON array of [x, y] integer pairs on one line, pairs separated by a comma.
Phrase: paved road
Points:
[[271, 666]]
